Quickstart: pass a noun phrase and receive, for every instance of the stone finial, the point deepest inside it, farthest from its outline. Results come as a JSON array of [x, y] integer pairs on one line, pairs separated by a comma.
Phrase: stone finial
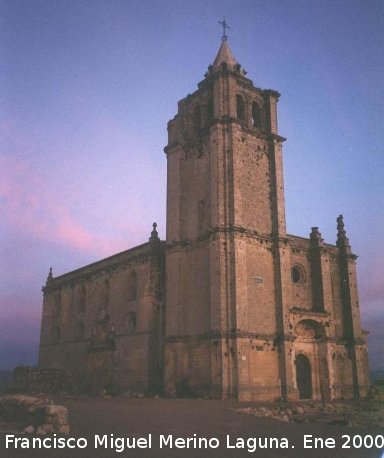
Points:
[[50, 276], [315, 237], [342, 239], [154, 234], [209, 71]]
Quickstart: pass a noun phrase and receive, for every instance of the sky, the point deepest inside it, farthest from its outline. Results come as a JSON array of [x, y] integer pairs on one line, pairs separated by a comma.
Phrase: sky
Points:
[[87, 88]]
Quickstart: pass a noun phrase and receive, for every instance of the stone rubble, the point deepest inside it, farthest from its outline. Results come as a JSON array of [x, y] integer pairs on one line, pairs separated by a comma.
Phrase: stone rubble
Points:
[[352, 414], [31, 415]]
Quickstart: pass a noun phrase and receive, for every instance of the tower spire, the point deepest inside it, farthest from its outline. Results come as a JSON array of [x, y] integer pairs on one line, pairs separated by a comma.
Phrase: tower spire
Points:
[[224, 56], [224, 59]]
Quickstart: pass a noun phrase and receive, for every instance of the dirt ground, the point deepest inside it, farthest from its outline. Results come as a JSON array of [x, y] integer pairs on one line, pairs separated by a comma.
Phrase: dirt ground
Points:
[[184, 418]]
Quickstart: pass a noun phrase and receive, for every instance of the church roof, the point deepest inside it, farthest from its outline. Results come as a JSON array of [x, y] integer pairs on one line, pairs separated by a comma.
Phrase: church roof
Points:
[[224, 55]]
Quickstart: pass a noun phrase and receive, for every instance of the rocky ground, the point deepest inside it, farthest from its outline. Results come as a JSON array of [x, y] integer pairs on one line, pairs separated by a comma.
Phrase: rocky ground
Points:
[[369, 414], [32, 415], [140, 417]]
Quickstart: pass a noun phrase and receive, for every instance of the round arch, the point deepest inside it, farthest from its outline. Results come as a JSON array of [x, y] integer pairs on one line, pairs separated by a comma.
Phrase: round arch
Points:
[[309, 329]]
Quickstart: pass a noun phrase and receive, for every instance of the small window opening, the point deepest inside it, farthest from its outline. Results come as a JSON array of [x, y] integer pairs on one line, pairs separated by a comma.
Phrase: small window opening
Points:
[[56, 334], [197, 119], [240, 107], [81, 303], [256, 115], [58, 305], [132, 321], [80, 330], [210, 110], [132, 287], [297, 275]]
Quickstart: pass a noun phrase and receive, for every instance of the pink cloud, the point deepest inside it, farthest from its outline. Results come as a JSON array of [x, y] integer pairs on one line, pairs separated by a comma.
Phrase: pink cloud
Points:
[[370, 271], [31, 205], [374, 291]]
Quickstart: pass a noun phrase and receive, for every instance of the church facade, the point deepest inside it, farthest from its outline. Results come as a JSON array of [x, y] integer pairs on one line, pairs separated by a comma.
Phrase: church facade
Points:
[[229, 305]]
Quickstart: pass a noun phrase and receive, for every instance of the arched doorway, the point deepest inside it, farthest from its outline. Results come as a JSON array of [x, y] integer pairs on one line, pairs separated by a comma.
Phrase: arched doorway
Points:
[[311, 360], [304, 377]]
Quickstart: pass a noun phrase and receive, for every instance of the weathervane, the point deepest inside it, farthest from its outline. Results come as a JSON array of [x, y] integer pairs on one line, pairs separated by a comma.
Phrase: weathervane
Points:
[[224, 24]]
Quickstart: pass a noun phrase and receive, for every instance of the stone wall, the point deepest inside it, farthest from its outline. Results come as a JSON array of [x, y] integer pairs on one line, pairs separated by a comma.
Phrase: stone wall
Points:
[[35, 380], [102, 323]]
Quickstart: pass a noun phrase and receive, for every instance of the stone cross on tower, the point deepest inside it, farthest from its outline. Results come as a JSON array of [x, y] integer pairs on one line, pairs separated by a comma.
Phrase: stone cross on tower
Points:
[[225, 26]]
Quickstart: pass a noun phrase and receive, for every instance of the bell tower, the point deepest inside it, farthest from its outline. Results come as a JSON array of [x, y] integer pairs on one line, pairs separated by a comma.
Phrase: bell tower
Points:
[[225, 258], [231, 160]]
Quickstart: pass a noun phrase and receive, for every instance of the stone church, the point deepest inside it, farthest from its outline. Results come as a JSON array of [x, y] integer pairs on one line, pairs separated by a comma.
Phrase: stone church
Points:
[[229, 305]]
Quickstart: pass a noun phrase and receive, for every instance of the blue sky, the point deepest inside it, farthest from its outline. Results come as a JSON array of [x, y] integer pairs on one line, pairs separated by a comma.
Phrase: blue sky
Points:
[[87, 91]]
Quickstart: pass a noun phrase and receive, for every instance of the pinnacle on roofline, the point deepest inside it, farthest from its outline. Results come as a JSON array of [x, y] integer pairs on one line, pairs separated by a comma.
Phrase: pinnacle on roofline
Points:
[[342, 239], [154, 234], [50, 275]]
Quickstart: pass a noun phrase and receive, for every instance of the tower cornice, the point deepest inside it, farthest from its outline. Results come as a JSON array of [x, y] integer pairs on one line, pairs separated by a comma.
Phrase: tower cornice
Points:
[[224, 73]]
